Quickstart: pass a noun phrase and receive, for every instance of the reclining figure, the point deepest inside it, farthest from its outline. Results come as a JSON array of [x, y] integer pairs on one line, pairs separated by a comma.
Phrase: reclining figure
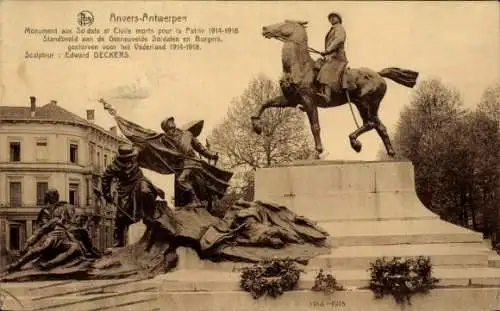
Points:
[[54, 243]]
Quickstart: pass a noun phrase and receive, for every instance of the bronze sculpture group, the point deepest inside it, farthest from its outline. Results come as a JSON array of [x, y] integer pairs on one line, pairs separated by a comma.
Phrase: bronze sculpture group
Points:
[[62, 242], [136, 194], [62, 237], [304, 78]]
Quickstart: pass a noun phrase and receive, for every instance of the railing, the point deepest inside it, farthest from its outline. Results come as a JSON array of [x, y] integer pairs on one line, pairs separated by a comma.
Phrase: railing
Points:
[[22, 205]]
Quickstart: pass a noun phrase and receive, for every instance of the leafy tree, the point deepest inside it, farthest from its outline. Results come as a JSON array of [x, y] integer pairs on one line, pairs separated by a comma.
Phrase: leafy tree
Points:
[[490, 103], [489, 107], [421, 135], [285, 137], [473, 170], [455, 153]]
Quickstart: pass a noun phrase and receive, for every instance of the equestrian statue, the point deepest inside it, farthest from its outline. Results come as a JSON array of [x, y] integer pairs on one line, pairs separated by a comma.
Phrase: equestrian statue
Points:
[[328, 82]]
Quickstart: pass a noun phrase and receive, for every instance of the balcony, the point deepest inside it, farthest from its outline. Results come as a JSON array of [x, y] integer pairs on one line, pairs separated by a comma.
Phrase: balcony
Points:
[[33, 209], [43, 167], [30, 211]]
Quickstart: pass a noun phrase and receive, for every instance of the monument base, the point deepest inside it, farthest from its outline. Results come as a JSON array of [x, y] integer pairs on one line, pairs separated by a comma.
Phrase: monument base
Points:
[[370, 210], [203, 290]]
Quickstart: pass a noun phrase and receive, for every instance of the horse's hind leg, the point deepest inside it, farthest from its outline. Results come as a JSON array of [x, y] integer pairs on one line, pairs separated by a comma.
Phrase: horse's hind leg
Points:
[[382, 132], [379, 126], [276, 102]]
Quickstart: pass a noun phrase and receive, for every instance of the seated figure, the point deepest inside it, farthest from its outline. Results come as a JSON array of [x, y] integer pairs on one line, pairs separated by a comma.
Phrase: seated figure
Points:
[[53, 243]]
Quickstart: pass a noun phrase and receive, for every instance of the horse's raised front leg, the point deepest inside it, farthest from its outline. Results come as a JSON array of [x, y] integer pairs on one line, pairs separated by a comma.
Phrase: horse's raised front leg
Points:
[[368, 124], [353, 137], [276, 102]]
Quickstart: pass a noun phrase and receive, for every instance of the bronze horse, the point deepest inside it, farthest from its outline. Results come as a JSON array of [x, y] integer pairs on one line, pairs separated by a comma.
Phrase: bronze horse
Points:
[[299, 86]]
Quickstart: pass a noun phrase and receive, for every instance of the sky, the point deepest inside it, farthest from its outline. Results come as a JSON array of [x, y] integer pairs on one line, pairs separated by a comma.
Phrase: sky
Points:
[[457, 42]]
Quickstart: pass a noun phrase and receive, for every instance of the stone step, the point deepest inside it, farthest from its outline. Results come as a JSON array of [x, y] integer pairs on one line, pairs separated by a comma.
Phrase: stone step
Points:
[[360, 257], [89, 288], [494, 260], [448, 299], [124, 296], [205, 280], [72, 287], [397, 232], [149, 305], [192, 284]]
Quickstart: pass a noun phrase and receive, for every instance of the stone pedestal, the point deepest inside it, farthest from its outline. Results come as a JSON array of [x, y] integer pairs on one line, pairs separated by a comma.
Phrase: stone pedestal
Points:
[[328, 191], [370, 210], [359, 203]]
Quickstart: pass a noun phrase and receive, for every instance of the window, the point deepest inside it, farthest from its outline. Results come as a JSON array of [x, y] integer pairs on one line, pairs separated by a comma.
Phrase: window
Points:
[[105, 160], [15, 151], [41, 150], [41, 189], [98, 159], [73, 153], [15, 194], [91, 154], [15, 237], [73, 194]]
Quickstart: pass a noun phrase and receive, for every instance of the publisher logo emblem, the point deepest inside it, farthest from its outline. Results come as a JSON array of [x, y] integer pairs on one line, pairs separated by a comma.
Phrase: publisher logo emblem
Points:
[[85, 18]]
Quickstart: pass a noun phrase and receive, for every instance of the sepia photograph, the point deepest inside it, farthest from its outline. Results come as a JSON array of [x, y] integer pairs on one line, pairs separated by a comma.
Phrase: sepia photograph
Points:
[[249, 155]]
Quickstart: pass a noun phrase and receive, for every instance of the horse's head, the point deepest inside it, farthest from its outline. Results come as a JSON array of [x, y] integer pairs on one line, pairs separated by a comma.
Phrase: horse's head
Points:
[[289, 29]]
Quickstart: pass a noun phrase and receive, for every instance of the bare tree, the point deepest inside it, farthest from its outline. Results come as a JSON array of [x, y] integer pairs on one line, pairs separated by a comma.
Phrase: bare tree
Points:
[[285, 137]]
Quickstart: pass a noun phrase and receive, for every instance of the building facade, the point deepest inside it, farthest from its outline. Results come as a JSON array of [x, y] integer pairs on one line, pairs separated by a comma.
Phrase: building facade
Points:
[[50, 147]]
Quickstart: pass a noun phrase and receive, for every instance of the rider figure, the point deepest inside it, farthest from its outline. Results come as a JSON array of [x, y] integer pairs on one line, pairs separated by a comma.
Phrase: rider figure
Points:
[[331, 73]]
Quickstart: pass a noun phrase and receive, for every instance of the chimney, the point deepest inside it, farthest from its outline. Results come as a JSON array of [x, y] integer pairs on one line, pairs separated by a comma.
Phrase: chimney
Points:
[[90, 115], [33, 106], [53, 102], [113, 130]]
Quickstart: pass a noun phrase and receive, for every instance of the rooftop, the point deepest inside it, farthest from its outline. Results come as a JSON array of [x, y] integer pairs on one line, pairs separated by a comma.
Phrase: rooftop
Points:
[[51, 112]]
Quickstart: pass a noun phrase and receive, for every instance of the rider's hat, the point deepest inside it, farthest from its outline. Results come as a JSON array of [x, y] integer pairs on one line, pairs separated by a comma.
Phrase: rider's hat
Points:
[[126, 152], [335, 14]]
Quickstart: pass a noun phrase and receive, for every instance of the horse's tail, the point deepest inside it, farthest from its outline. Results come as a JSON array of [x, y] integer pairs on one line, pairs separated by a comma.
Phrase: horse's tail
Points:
[[405, 77]]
